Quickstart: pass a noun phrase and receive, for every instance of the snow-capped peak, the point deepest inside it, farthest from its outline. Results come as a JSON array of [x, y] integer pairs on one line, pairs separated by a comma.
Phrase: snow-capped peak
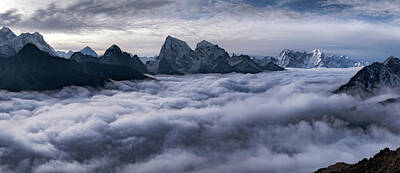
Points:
[[5, 29], [89, 51], [10, 44], [6, 35], [317, 52]]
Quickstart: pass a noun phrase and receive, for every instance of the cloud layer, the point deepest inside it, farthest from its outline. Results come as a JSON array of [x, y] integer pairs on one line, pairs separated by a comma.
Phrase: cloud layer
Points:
[[270, 122]]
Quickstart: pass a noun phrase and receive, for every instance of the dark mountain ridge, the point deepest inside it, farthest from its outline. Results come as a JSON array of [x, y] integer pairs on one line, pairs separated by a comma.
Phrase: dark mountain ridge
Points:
[[113, 56], [32, 69]]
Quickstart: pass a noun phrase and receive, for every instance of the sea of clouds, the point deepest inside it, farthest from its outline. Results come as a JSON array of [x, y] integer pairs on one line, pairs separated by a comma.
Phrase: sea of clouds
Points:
[[269, 122]]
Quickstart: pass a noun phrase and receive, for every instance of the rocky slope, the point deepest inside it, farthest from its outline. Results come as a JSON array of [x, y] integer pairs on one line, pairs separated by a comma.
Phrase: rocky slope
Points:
[[314, 59], [213, 59], [10, 44], [386, 161], [33, 69], [176, 57], [374, 78]]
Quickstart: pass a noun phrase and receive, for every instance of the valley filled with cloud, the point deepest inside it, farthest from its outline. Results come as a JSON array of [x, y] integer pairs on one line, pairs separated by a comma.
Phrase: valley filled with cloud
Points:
[[287, 121]]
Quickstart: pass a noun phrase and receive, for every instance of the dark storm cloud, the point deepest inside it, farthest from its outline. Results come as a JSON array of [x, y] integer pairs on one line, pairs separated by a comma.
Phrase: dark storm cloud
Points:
[[91, 14], [10, 17], [270, 122]]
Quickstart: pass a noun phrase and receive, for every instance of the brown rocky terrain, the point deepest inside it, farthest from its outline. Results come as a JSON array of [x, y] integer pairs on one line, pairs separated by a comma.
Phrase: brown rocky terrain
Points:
[[386, 161]]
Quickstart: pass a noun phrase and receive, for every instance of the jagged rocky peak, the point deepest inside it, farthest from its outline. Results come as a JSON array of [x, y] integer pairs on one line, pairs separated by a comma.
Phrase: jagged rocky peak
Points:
[[372, 79], [6, 35], [115, 56], [89, 51], [14, 45], [34, 35], [174, 45], [114, 50], [5, 29], [177, 57]]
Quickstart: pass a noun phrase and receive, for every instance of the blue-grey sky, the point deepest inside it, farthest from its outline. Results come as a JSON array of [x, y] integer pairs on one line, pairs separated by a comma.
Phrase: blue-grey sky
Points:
[[360, 28]]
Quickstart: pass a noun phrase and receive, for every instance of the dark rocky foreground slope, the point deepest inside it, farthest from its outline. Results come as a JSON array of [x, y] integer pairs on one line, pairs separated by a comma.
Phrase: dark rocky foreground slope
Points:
[[386, 161], [374, 78], [33, 69]]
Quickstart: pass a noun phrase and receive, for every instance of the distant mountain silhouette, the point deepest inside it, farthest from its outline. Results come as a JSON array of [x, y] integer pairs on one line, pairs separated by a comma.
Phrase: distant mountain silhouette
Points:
[[113, 56], [32, 69]]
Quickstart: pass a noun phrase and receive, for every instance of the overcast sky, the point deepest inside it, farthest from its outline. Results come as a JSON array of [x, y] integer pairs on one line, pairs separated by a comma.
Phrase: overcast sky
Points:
[[360, 28]]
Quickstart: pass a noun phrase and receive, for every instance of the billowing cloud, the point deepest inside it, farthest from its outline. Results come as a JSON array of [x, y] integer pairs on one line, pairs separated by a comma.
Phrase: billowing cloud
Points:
[[90, 14], [10, 17], [270, 122]]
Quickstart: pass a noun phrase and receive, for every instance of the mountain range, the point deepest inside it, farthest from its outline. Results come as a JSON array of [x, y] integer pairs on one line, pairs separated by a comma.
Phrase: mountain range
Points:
[[314, 59], [176, 57], [33, 69], [113, 56]]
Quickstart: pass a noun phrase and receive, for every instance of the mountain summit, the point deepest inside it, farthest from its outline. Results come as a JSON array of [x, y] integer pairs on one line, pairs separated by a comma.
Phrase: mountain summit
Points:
[[6, 35], [10, 44], [115, 56], [89, 51]]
